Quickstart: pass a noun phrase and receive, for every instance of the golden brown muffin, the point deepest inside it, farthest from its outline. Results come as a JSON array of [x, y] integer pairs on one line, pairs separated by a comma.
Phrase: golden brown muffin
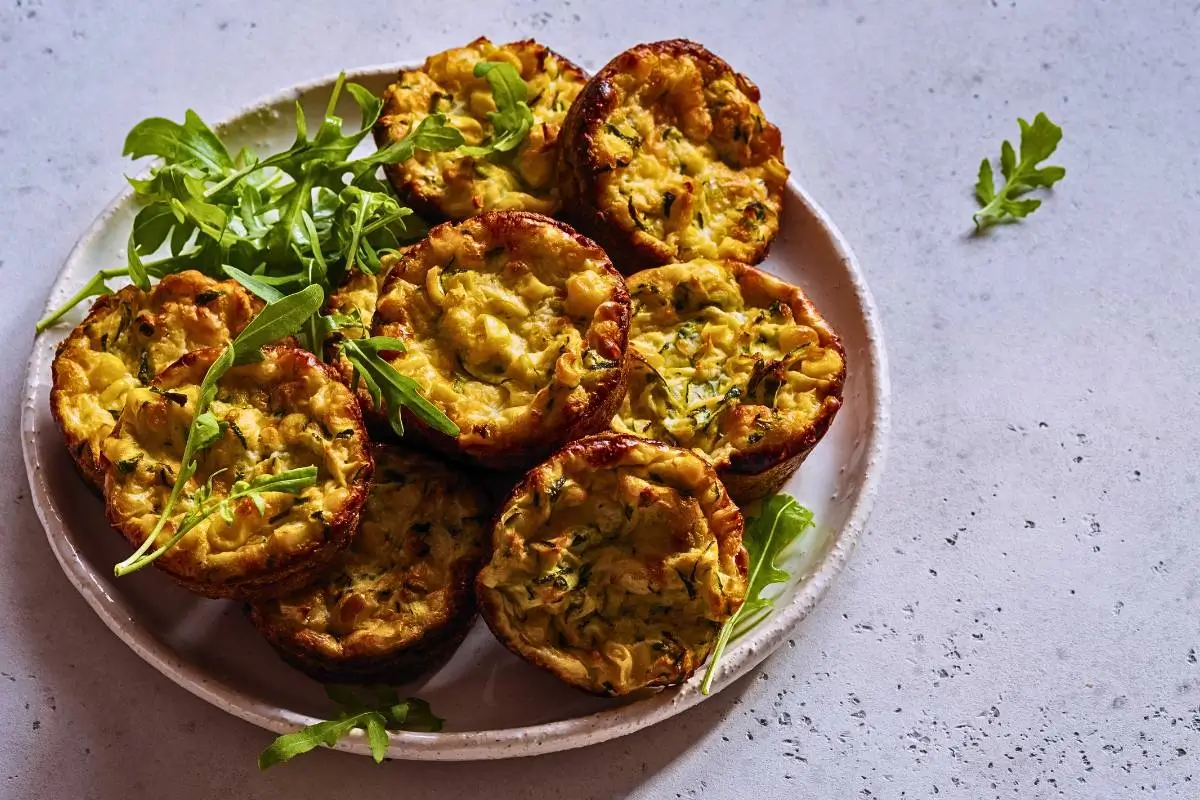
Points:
[[452, 185], [516, 328], [615, 564], [124, 341], [402, 596], [735, 363], [284, 412], [666, 156]]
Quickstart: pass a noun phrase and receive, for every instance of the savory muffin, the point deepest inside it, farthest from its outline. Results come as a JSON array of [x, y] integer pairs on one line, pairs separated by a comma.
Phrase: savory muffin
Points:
[[453, 185], [732, 362], [284, 412], [402, 596], [615, 564], [516, 328], [666, 156], [124, 341]]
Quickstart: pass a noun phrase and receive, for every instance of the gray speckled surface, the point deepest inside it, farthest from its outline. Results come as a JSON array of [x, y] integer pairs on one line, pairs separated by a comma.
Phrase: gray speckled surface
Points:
[[1022, 618]]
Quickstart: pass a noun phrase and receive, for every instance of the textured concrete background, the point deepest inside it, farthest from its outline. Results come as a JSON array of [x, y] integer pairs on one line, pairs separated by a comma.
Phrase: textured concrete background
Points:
[[1021, 619]]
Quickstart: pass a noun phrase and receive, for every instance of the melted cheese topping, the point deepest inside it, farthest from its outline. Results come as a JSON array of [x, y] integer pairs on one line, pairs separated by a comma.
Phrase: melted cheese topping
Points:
[[127, 339], [696, 170], [423, 527], [281, 413], [524, 179], [510, 323], [725, 363], [617, 575]]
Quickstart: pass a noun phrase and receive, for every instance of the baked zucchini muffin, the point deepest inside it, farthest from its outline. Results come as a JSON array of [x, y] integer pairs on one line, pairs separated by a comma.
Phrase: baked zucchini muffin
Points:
[[402, 596], [126, 338], [735, 363], [615, 564], [452, 185], [666, 156], [287, 411], [516, 328]]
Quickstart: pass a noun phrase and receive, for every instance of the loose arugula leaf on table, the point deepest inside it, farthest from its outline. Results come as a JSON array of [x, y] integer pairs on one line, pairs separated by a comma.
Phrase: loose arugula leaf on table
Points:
[[374, 709], [779, 523], [277, 320], [327, 733], [512, 119], [1021, 176]]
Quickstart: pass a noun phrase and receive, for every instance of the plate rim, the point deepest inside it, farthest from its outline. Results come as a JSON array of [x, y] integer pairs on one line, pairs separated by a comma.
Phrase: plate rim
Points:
[[497, 743]]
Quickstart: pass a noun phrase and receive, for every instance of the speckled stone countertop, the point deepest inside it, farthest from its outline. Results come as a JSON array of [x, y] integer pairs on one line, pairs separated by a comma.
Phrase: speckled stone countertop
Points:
[[1022, 618]]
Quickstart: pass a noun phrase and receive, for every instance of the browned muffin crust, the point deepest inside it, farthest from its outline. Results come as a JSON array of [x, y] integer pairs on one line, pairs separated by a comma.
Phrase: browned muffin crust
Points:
[[516, 327], [615, 564], [735, 363], [455, 186], [666, 156], [401, 597], [126, 338], [287, 411]]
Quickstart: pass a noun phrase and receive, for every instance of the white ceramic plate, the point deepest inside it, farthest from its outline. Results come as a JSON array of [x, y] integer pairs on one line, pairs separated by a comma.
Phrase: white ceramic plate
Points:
[[495, 705]]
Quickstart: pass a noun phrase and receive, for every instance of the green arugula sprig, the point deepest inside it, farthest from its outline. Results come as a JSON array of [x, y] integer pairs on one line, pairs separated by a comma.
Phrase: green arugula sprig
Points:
[[388, 389], [374, 709], [97, 286], [308, 214], [1038, 142], [512, 119], [779, 523], [278, 319]]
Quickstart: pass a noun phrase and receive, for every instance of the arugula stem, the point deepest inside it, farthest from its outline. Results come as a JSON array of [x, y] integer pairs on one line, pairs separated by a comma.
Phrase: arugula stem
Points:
[[356, 233], [331, 106], [93, 287], [995, 202], [225, 183], [727, 629], [136, 561]]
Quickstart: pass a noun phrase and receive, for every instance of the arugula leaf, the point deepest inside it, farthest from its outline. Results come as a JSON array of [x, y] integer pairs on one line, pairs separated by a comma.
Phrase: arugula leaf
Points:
[[190, 143], [377, 735], [151, 227], [375, 709], [512, 119], [327, 733], [277, 320], [254, 285], [780, 521], [214, 211], [292, 481], [1038, 142], [388, 389], [95, 287], [208, 430], [433, 133]]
